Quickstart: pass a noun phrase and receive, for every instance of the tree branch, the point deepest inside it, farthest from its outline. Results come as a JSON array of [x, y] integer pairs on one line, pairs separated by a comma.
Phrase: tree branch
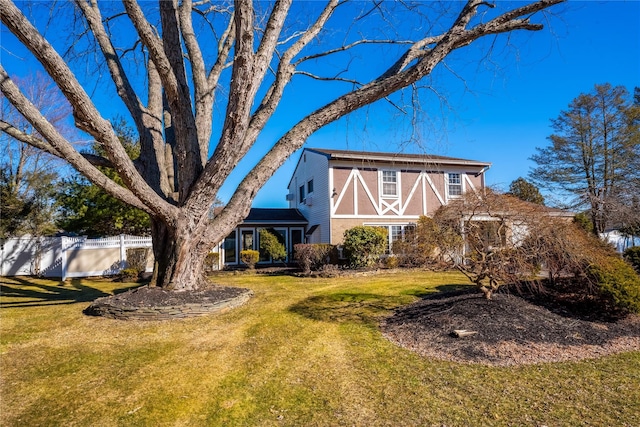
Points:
[[38, 143], [86, 115], [61, 147], [119, 77]]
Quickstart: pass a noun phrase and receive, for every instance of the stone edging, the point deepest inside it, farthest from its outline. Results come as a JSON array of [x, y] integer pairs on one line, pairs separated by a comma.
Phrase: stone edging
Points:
[[103, 307]]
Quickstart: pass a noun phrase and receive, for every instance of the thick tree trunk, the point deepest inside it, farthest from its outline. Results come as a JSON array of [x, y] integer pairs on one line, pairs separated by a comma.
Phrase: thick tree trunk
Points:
[[179, 259]]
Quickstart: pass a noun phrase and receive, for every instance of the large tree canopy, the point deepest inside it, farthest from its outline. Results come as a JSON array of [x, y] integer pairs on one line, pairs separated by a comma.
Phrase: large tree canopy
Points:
[[225, 67]]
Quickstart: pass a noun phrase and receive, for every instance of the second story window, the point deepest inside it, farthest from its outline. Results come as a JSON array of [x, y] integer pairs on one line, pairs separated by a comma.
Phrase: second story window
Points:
[[389, 184], [301, 199], [454, 185], [310, 186]]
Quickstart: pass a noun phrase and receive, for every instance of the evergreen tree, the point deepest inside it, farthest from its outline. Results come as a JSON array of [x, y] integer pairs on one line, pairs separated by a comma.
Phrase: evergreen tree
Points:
[[88, 210], [524, 190]]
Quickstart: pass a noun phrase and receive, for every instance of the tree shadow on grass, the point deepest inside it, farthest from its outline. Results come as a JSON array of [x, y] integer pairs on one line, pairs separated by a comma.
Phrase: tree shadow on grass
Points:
[[439, 290], [27, 293], [346, 307], [363, 308]]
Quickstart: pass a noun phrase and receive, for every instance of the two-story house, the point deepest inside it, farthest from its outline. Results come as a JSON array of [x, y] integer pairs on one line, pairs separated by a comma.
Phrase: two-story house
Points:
[[333, 190], [336, 190]]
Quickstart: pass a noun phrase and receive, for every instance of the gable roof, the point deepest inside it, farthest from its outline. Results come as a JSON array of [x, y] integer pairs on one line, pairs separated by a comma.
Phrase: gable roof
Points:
[[395, 157]]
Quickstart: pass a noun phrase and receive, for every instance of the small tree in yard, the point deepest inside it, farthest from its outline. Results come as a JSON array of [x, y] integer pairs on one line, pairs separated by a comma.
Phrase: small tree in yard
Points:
[[508, 241], [271, 246], [363, 245], [250, 258], [492, 229], [177, 60]]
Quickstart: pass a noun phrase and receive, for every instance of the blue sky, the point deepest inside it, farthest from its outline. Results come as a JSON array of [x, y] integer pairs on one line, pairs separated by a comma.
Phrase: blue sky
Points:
[[497, 110], [502, 115]]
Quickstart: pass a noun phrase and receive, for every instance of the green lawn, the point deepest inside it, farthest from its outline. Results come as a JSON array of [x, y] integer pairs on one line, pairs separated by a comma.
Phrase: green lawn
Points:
[[302, 352]]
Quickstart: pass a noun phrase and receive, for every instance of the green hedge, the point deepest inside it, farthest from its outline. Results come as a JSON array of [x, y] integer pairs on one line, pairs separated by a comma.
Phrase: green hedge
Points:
[[632, 256], [617, 280], [364, 244]]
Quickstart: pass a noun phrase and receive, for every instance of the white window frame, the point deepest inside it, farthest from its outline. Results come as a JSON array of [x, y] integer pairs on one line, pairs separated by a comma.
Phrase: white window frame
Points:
[[396, 182], [241, 238], [403, 226], [449, 184]]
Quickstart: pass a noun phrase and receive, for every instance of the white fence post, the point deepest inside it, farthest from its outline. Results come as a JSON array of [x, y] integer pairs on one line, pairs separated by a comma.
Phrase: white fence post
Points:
[[63, 257], [123, 252]]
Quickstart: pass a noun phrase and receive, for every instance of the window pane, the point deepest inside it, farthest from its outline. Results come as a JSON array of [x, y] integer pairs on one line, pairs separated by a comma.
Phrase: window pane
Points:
[[310, 187], [389, 183], [247, 240], [301, 193], [455, 184], [396, 232], [389, 189], [296, 237], [230, 248]]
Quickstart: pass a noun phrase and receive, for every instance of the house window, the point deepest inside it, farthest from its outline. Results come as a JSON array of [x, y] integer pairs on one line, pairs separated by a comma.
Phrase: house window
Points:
[[247, 240], [454, 185], [487, 234], [310, 186], [395, 232], [229, 247], [281, 235], [389, 184], [296, 237], [301, 193]]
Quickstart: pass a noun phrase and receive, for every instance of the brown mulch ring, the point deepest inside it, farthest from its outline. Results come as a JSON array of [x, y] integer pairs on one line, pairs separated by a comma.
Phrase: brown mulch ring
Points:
[[154, 303], [510, 330]]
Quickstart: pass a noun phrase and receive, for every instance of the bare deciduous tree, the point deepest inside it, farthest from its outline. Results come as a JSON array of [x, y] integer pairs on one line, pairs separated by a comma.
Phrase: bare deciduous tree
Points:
[[28, 176], [592, 154], [503, 240], [258, 48]]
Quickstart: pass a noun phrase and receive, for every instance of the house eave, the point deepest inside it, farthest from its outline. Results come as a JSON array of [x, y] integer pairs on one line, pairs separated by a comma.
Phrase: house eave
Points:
[[422, 159]]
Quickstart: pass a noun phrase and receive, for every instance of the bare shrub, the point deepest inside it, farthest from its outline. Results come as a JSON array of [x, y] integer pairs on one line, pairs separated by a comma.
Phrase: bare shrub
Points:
[[313, 256]]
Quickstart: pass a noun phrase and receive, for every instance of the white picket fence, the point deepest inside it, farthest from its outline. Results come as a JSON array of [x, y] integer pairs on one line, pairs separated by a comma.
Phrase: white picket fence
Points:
[[67, 257]]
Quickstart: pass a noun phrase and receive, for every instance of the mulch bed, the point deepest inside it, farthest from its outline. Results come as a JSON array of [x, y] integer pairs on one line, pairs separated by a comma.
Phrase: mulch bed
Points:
[[511, 330]]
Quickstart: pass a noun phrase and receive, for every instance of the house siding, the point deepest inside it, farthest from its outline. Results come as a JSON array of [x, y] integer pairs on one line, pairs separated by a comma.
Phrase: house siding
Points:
[[313, 166], [348, 191]]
